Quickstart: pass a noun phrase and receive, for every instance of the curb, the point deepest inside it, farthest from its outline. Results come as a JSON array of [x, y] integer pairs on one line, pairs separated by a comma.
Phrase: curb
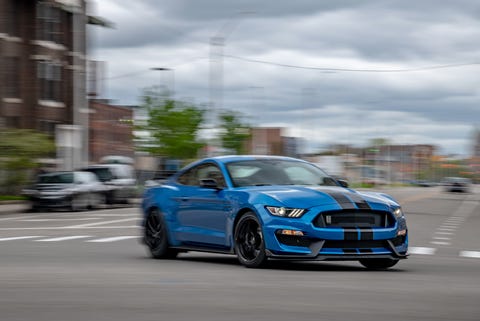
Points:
[[15, 207], [12, 207]]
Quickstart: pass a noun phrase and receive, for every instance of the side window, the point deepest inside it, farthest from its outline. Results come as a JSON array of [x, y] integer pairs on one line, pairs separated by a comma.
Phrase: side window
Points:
[[188, 178], [213, 172], [193, 176]]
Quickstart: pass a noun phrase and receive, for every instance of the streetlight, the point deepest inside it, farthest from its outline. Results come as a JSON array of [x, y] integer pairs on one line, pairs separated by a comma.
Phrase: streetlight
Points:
[[170, 93]]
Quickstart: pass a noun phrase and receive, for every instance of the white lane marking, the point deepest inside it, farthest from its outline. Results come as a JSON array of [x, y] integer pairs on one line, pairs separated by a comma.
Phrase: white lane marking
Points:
[[440, 243], [103, 223], [112, 215], [69, 228], [17, 217], [446, 229], [18, 238], [453, 223], [470, 254], [447, 224], [444, 233], [441, 238], [455, 220], [64, 238], [113, 239], [59, 219], [422, 250]]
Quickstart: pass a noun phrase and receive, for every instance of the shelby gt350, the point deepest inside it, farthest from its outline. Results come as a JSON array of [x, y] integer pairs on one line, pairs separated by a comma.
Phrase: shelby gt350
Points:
[[271, 207]]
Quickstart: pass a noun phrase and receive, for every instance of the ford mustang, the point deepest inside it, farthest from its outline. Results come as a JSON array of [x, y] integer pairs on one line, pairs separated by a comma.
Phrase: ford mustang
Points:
[[271, 207]]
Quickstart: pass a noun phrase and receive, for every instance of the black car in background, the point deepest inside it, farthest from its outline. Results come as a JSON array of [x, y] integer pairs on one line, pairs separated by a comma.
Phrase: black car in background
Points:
[[75, 190], [457, 184]]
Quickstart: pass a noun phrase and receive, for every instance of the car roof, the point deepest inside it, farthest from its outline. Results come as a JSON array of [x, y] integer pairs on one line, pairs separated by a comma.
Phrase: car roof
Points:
[[107, 166], [235, 158]]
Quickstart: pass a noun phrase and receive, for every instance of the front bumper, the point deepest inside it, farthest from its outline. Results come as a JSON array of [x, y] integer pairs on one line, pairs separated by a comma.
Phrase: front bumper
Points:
[[333, 243], [319, 252], [57, 201]]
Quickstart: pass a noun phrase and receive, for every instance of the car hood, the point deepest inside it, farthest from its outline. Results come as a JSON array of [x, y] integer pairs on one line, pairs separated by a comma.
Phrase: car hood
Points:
[[310, 196]]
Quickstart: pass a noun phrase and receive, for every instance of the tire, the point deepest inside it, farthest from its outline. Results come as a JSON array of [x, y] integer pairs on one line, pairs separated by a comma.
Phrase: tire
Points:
[[378, 264], [110, 198], [79, 203], [98, 200], [156, 236], [249, 241]]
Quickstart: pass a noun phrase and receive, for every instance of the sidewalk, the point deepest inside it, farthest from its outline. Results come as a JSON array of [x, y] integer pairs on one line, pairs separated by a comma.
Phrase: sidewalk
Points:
[[13, 207]]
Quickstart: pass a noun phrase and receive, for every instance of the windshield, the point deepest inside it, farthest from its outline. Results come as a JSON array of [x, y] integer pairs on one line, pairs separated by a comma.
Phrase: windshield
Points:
[[62, 178], [277, 172], [103, 173]]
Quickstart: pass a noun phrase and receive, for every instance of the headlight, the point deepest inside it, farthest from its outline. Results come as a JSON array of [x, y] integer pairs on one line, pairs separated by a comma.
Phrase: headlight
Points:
[[285, 212], [398, 213]]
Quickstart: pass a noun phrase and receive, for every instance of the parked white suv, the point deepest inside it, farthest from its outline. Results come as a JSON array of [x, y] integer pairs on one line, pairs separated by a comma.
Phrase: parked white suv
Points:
[[119, 180]]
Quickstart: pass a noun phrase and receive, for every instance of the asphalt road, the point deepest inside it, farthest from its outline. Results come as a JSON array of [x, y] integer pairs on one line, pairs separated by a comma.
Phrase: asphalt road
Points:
[[91, 266]]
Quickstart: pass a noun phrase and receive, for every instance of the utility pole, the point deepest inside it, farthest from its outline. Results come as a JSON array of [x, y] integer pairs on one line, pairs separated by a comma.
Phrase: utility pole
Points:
[[217, 44]]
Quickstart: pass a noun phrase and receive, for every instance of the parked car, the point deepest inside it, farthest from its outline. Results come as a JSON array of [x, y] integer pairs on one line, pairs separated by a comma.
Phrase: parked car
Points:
[[423, 183], [457, 184], [266, 207], [75, 190], [119, 181]]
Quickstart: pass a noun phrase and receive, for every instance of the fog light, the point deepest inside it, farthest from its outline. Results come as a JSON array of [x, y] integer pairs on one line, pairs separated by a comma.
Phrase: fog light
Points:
[[292, 232], [402, 233]]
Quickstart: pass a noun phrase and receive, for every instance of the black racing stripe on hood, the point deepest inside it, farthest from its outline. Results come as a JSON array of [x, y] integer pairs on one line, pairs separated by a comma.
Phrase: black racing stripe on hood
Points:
[[359, 201], [342, 200]]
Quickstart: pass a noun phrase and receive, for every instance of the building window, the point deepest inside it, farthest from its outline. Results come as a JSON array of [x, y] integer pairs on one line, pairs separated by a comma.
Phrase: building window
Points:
[[48, 19], [50, 79], [47, 127], [11, 81], [10, 22]]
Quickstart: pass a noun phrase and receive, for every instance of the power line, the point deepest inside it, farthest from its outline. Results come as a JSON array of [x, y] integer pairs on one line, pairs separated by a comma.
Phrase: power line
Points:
[[352, 69], [139, 72], [328, 69], [130, 74]]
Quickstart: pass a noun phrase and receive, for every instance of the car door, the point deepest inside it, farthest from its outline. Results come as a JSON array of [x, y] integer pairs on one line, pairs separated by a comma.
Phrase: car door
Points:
[[202, 212]]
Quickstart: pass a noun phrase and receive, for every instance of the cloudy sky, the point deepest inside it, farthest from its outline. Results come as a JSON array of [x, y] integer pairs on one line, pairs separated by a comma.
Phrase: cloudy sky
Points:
[[333, 71]]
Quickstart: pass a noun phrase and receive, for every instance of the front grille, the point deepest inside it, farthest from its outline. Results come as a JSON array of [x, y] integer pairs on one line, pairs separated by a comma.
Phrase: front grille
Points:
[[341, 244], [354, 218]]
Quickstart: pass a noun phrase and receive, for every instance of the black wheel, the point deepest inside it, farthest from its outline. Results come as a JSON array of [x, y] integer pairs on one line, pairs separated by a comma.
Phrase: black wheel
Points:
[[249, 243], [79, 203], [110, 198], [156, 236], [378, 264]]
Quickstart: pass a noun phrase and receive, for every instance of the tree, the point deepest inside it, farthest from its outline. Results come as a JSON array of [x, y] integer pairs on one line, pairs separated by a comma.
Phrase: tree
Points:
[[20, 150], [234, 132], [173, 126]]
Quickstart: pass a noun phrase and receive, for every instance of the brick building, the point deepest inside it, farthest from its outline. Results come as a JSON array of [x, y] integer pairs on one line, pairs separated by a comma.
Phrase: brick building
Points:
[[265, 141], [110, 130], [42, 67]]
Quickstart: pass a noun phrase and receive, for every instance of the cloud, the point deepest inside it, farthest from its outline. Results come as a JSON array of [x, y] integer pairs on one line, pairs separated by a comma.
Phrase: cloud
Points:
[[428, 106]]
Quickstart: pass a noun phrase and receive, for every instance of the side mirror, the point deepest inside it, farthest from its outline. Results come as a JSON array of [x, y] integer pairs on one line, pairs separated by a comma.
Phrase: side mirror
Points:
[[209, 183], [342, 183]]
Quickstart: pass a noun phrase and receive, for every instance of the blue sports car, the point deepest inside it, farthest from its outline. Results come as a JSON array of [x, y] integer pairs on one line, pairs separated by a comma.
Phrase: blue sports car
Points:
[[271, 207]]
